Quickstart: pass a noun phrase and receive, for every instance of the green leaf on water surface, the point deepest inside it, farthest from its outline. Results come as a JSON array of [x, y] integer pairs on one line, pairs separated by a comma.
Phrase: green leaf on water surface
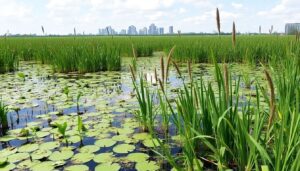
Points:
[[105, 142], [121, 138], [77, 168], [42, 134], [125, 131], [43, 166], [108, 167], [89, 149], [137, 157], [61, 155], [141, 136], [104, 158], [7, 151], [80, 158], [40, 154], [17, 157], [28, 148], [151, 143], [147, 166], [123, 148], [74, 139], [8, 167], [26, 164], [7, 138], [49, 145]]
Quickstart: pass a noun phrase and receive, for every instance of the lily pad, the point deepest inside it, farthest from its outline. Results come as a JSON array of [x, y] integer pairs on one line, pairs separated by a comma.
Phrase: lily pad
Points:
[[147, 166], [89, 149], [17, 157], [80, 158], [141, 136], [77, 168], [108, 167], [8, 151], [42, 134], [137, 157], [105, 142], [123, 148], [151, 143], [103, 157], [28, 148], [44, 166], [8, 167], [40, 154], [7, 138], [26, 164], [49, 145], [63, 155]]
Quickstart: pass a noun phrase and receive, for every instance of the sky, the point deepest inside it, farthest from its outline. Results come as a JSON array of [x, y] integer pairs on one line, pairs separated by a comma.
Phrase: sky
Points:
[[61, 16]]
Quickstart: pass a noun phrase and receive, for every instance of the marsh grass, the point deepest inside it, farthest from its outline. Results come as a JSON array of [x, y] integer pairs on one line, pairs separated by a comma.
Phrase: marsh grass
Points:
[[3, 117]]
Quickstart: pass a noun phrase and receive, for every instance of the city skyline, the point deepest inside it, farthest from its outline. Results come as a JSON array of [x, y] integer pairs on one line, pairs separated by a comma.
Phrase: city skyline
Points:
[[60, 17]]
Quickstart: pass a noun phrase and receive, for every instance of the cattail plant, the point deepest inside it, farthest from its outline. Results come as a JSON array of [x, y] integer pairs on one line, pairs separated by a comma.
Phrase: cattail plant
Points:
[[3, 117], [233, 35], [272, 98], [218, 21], [74, 31], [134, 59], [179, 33], [226, 82]]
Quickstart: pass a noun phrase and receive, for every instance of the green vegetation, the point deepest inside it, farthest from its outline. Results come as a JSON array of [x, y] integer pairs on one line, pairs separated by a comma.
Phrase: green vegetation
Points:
[[3, 117], [92, 54]]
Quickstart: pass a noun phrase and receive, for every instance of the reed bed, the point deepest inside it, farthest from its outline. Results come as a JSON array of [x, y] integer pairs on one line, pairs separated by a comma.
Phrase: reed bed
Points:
[[91, 54]]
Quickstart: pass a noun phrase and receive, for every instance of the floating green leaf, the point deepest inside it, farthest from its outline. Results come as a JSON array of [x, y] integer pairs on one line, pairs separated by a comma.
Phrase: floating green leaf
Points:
[[137, 157], [123, 148], [61, 155], [77, 168], [89, 149], [82, 158], [105, 142], [146, 166], [103, 157], [108, 167], [49, 145], [28, 148]]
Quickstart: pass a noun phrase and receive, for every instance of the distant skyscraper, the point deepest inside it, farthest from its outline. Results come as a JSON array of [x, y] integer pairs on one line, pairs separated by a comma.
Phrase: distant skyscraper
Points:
[[171, 30], [123, 31], [292, 28], [143, 31], [152, 29], [132, 30], [161, 30], [107, 31]]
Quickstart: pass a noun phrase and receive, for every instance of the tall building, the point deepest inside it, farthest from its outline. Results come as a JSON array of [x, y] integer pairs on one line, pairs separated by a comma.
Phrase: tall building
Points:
[[107, 31], [292, 28], [161, 30], [171, 30], [132, 30], [143, 31], [123, 32], [152, 29]]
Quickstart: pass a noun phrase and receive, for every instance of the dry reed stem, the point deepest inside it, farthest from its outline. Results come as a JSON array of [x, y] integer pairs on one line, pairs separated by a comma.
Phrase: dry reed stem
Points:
[[259, 29], [133, 51], [155, 75], [132, 73], [177, 68], [190, 69], [162, 65], [233, 35], [272, 98], [169, 61], [226, 79], [218, 21]]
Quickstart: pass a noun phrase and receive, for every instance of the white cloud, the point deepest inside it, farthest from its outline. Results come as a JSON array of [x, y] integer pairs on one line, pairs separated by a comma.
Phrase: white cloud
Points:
[[237, 5], [13, 9]]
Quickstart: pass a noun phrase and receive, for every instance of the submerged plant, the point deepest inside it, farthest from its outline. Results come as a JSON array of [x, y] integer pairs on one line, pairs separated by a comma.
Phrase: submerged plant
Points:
[[3, 117]]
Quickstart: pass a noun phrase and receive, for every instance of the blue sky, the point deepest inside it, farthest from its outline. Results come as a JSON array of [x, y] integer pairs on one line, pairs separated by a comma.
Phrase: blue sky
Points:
[[61, 16]]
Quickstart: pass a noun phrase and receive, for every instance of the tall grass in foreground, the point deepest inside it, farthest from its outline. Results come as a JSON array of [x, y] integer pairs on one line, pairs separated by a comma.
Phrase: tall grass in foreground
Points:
[[217, 130]]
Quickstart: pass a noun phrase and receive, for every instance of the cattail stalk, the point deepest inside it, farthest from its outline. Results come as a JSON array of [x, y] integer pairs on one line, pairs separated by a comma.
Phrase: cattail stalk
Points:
[[155, 75], [233, 35], [190, 70], [162, 65], [226, 79], [272, 98], [218, 21], [177, 68], [132, 73], [259, 29], [169, 61]]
